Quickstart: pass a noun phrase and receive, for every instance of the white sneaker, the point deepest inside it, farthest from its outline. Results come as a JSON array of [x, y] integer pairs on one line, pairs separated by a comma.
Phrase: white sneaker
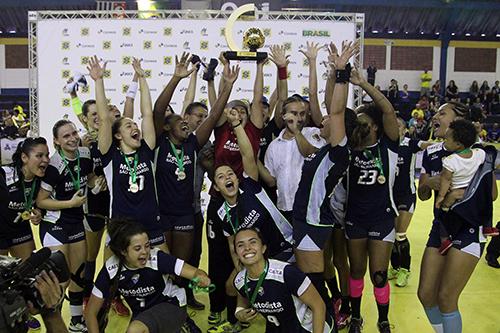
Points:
[[77, 327]]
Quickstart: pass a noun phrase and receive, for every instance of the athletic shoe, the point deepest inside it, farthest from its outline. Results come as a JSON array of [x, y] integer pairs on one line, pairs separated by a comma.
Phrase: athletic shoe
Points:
[[392, 274], [356, 325], [403, 276], [190, 326], [193, 303], [384, 327], [490, 231], [77, 327], [445, 246], [215, 318], [33, 324], [492, 261], [120, 308], [225, 327]]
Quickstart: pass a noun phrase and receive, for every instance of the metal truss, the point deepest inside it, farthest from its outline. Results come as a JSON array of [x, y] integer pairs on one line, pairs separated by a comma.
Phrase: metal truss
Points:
[[34, 17]]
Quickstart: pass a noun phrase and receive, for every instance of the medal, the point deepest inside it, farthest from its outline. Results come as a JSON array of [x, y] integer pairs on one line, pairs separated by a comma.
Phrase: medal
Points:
[[75, 180], [26, 215], [179, 172], [381, 179], [134, 188], [181, 175], [378, 163]]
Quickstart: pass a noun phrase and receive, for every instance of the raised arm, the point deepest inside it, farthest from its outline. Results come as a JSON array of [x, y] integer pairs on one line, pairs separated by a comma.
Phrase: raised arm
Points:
[[105, 136], [273, 99], [305, 148], [280, 59], [311, 53], [256, 112], [246, 150], [390, 121], [147, 123], [191, 91], [128, 109], [339, 100], [181, 71], [330, 81], [76, 104], [205, 129]]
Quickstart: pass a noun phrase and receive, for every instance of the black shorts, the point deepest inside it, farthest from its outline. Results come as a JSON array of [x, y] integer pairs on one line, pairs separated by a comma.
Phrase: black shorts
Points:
[[383, 231], [308, 237], [22, 235], [406, 202], [469, 239], [163, 318], [56, 234], [178, 223]]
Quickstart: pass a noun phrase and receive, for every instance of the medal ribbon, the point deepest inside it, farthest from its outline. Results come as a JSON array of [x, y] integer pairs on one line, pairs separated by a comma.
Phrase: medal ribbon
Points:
[[76, 181], [378, 161], [193, 284], [180, 159], [464, 151], [257, 287], [132, 171], [28, 200], [236, 225]]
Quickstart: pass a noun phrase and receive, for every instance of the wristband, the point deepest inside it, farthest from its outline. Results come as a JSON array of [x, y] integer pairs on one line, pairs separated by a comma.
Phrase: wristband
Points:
[[76, 104], [238, 309], [343, 75], [236, 125], [282, 73], [132, 90]]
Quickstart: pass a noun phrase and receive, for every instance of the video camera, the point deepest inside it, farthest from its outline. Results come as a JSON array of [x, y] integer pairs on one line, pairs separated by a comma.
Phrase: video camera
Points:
[[17, 285]]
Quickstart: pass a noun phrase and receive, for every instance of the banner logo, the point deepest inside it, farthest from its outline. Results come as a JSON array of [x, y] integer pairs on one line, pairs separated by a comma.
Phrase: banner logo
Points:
[[84, 31], [245, 75], [106, 45], [315, 33], [84, 60], [65, 74], [85, 89], [107, 74], [124, 88], [147, 73], [167, 31], [65, 45], [288, 46], [65, 102], [147, 45], [204, 45], [126, 31], [126, 60], [167, 60], [266, 32]]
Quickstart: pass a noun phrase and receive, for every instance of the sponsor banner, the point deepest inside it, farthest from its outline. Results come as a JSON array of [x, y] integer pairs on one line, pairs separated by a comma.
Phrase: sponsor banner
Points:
[[64, 49]]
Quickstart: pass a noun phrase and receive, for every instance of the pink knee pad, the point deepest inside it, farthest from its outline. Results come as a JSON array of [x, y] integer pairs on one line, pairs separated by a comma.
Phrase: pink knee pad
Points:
[[356, 287], [382, 294]]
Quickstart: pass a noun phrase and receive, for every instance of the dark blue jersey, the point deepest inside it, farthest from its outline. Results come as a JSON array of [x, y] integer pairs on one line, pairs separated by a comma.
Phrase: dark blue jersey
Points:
[[176, 194], [321, 173], [59, 183], [255, 209], [278, 298], [369, 200], [432, 163], [142, 205], [97, 203], [146, 287], [405, 174], [15, 197]]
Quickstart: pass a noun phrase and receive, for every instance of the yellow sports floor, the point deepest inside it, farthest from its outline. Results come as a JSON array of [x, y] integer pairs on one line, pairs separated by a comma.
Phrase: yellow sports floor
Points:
[[479, 303]]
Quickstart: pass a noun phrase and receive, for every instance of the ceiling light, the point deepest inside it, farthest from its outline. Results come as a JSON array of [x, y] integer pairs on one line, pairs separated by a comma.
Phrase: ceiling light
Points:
[[374, 31]]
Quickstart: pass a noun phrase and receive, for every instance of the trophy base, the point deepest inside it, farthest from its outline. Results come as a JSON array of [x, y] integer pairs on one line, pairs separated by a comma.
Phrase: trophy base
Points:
[[245, 55]]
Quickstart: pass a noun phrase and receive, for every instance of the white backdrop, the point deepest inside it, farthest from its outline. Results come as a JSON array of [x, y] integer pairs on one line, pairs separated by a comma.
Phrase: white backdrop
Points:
[[63, 47]]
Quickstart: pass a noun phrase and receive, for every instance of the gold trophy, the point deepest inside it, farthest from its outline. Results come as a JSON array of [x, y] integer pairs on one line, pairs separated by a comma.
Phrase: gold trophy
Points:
[[253, 38]]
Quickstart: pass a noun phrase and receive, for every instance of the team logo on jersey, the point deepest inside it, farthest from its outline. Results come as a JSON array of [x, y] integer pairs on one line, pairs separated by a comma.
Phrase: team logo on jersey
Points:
[[135, 278], [261, 291]]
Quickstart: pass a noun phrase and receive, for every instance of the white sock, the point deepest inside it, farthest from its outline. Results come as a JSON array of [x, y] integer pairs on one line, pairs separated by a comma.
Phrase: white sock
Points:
[[438, 328]]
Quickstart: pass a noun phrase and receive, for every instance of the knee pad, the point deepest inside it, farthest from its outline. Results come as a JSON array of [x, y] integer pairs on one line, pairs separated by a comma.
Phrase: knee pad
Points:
[[379, 279], [400, 236], [77, 276]]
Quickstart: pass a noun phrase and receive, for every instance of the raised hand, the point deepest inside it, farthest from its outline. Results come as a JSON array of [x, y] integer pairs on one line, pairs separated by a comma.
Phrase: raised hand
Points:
[[96, 71], [223, 59], [278, 56], [311, 51], [356, 77], [348, 50], [291, 122], [230, 74], [136, 63], [181, 66]]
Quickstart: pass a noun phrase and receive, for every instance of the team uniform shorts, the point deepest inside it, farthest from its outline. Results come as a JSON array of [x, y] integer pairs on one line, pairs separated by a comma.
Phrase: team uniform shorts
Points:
[[375, 230]]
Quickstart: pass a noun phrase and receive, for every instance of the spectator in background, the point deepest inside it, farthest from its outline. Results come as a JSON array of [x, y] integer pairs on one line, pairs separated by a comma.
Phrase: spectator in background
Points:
[[425, 84], [404, 103], [417, 123], [436, 90], [485, 88], [393, 93], [452, 92], [494, 107], [493, 133], [371, 70], [474, 91], [9, 129], [19, 117]]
